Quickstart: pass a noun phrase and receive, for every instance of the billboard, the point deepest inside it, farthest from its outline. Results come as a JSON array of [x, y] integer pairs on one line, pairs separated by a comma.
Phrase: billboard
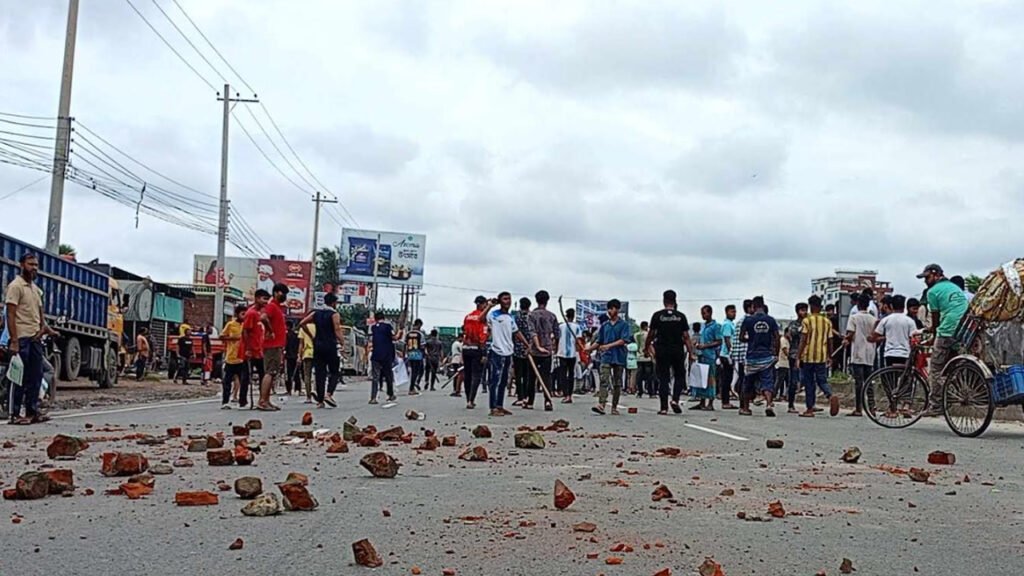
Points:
[[237, 273], [396, 257], [589, 312], [295, 274], [348, 293]]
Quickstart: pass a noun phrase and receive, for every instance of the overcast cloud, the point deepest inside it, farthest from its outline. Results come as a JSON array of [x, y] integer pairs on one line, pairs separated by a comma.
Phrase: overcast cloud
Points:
[[593, 148]]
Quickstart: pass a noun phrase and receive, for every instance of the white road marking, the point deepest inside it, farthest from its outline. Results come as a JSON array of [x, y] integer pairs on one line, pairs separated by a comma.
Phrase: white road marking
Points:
[[717, 432], [133, 409]]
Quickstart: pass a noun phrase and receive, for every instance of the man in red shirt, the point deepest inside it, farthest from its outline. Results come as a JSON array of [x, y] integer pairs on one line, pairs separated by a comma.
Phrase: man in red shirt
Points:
[[273, 346], [255, 328], [474, 330]]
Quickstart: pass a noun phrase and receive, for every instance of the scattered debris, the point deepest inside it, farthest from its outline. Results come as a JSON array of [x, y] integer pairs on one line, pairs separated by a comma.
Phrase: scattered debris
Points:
[[197, 445], [366, 555], [613, 560], [587, 527], [942, 458], [564, 497], [61, 481], [161, 469], [413, 415], [449, 441], [239, 430], [727, 492], [254, 425], [64, 446], [248, 487], [296, 496], [265, 504], [243, 455], [297, 477], [851, 455], [123, 464], [391, 434], [303, 434], [198, 498], [669, 451], [339, 447], [664, 572], [847, 566], [529, 440], [349, 430], [307, 419], [430, 443], [661, 493], [632, 410], [380, 465], [775, 443], [481, 431], [220, 457], [776, 510], [369, 441], [214, 442], [474, 454], [174, 432], [710, 568], [237, 544], [183, 463], [919, 475]]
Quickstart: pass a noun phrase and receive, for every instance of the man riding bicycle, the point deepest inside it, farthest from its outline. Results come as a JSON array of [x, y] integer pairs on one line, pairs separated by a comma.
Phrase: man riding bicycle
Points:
[[947, 304]]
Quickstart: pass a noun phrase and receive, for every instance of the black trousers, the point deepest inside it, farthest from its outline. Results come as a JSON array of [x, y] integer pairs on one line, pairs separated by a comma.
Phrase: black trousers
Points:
[[544, 367], [566, 376], [472, 372], [292, 379], [184, 366], [860, 376], [433, 365], [646, 383], [326, 366], [671, 366], [415, 374], [232, 371], [725, 372], [524, 379]]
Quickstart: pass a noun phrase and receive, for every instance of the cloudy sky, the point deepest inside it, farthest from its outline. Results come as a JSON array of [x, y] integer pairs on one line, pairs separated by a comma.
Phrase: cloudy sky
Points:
[[596, 149]]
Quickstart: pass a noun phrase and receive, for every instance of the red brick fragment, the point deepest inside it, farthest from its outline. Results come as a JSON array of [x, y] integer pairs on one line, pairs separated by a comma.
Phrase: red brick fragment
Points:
[[564, 497], [198, 498], [366, 555]]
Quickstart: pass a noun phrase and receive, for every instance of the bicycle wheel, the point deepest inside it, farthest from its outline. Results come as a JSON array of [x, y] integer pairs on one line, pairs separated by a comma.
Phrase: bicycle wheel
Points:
[[967, 401], [895, 397]]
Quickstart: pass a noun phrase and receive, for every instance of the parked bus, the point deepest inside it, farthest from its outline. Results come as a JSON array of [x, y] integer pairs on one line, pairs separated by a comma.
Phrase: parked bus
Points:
[[354, 360]]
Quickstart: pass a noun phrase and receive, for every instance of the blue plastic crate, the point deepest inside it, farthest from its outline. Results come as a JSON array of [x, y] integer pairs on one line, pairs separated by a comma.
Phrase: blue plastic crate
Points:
[[1008, 387]]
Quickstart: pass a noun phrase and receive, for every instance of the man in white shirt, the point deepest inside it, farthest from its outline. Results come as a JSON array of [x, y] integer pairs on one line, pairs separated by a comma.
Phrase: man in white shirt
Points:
[[862, 351], [895, 330], [456, 362], [504, 332], [566, 353]]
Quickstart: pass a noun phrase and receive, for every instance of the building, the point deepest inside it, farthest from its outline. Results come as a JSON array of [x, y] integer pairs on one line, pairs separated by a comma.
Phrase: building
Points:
[[199, 309], [830, 288]]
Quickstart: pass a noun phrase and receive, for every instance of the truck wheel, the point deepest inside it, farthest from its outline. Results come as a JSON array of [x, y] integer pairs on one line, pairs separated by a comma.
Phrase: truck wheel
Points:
[[72, 359], [108, 376]]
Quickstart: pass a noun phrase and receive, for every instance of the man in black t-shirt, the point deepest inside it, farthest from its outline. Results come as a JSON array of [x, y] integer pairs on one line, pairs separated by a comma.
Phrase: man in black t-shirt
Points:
[[669, 339], [184, 355]]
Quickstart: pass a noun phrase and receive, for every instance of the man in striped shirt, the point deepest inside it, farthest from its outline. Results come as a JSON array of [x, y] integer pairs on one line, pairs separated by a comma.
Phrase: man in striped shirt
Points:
[[739, 353], [816, 334]]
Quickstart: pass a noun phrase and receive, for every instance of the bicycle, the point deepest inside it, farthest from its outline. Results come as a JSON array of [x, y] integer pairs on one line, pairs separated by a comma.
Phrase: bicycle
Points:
[[897, 396]]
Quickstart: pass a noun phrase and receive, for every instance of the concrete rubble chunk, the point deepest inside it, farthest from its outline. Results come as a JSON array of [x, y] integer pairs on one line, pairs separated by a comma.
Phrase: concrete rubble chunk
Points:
[[380, 465], [266, 504], [248, 487], [123, 464], [61, 480], [32, 486], [391, 434], [529, 440], [366, 555], [775, 443], [481, 431], [430, 443], [65, 446], [852, 455], [161, 469], [449, 441], [710, 568], [220, 457], [474, 454], [197, 445], [214, 442]]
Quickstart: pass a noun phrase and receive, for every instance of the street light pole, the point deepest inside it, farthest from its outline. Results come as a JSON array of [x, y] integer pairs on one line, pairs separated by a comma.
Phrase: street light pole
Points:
[[60, 150]]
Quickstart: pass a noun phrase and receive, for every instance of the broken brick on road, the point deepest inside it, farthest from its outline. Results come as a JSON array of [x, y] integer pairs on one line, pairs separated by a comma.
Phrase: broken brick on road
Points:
[[196, 498], [366, 555]]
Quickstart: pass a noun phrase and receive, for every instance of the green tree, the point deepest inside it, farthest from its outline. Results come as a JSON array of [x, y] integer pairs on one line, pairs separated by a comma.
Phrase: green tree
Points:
[[972, 282], [67, 250], [328, 262], [354, 315]]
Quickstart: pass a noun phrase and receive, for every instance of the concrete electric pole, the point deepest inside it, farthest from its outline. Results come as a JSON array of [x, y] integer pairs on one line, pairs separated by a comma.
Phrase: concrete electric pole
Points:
[[222, 220], [316, 238], [60, 151]]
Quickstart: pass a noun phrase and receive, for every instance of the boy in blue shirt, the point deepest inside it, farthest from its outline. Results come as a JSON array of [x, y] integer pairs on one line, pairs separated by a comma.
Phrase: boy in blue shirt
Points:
[[612, 338]]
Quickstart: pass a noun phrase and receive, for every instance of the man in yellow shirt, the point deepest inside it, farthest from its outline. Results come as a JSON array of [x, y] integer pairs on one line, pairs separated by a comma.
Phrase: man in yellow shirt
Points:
[[235, 366], [306, 353], [816, 335]]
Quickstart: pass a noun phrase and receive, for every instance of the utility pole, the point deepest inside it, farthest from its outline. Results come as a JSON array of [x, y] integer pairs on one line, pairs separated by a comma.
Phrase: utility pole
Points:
[[222, 219], [60, 150], [316, 238]]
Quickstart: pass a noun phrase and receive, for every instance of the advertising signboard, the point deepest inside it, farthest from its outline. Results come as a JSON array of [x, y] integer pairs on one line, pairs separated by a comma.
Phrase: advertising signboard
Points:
[[348, 293], [295, 274], [237, 273], [396, 257], [590, 312]]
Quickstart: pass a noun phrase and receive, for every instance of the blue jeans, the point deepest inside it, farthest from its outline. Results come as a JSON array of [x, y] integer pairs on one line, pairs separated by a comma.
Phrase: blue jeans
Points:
[[27, 395], [814, 376], [497, 378]]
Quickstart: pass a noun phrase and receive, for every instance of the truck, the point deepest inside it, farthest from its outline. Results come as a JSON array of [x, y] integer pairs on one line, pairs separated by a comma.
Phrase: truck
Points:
[[217, 351], [82, 304]]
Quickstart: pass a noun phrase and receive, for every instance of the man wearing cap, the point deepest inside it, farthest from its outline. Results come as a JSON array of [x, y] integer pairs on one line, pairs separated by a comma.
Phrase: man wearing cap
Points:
[[947, 305]]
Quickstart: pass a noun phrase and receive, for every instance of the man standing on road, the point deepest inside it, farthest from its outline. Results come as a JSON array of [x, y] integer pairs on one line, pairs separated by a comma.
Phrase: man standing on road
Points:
[[184, 353], [474, 330], [235, 367], [306, 342], [859, 328], [760, 332], [739, 350], [895, 330], [725, 357], [273, 348], [669, 338], [612, 337], [414, 356], [816, 334], [291, 356], [434, 350], [382, 357], [325, 348], [709, 346], [27, 327], [255, 328], [499, 359], [645, 382], [456, 362], [523, 378], [568, 335], [544, 329], [793, 332], [947, 305], [141, 353]]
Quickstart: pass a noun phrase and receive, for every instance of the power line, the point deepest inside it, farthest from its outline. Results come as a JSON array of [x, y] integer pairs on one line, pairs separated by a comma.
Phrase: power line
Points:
[[274, 144], [265, 157], [26, 186], [29, 124], [201, 55], [27, 117], [168, 44], [217, 52], [35, 136]]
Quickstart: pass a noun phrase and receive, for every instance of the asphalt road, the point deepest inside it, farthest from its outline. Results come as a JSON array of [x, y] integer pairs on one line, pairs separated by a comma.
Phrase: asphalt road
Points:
[[497, 517]]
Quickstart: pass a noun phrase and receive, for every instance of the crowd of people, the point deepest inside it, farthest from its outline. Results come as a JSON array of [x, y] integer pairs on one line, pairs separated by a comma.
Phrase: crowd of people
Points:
[[740, 362]]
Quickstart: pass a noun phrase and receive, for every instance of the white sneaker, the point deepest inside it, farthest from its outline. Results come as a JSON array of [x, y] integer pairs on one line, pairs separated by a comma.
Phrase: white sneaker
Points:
[[225, 406]]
